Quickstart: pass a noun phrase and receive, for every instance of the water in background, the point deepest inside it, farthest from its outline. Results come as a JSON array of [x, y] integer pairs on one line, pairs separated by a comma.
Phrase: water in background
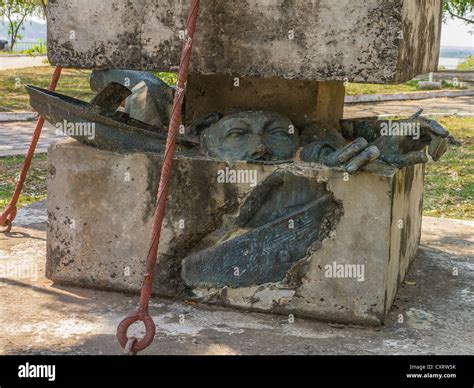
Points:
[[451, 56], [450, 63]]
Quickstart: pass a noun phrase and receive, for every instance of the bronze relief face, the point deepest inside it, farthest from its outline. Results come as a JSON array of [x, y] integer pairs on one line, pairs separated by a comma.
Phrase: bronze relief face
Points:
[[251, 136]]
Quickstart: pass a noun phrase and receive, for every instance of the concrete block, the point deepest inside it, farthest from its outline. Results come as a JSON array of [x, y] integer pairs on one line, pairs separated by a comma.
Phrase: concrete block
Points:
[[100, 208], [302, 101], [375, 41]]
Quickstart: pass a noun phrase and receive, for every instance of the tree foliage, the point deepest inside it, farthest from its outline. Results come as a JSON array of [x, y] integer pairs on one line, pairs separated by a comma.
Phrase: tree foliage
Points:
[[460, 9], [16, 12]]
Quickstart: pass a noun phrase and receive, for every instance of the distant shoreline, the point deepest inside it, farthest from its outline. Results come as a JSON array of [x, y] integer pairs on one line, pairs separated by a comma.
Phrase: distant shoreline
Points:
[[450, 63], [452, 56]]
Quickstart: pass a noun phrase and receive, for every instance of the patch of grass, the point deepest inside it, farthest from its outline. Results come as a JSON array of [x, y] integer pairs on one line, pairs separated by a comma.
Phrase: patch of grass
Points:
[[4, 53], [35, 51], [449, 186], [73, 82], [356, 89], [410, 86], [35, 184], [14, 98], [168, 78], [467, 64]]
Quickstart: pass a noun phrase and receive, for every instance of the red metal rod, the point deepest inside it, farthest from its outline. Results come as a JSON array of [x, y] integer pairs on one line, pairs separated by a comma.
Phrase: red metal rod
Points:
[[9, 214], [142, 314]]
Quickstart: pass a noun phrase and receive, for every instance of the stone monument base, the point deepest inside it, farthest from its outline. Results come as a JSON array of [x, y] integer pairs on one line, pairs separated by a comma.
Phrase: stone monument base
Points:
[[100, 209]]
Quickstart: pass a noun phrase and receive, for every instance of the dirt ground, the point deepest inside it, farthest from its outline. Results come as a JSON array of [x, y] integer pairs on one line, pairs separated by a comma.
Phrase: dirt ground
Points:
[[433, 313]]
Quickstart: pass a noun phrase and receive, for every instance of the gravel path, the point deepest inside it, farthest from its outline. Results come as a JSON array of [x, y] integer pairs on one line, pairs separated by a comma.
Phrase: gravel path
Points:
[[13, 62]]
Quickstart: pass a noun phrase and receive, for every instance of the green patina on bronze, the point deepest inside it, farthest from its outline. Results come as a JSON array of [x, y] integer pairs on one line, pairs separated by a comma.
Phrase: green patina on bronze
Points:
[[130, 112]]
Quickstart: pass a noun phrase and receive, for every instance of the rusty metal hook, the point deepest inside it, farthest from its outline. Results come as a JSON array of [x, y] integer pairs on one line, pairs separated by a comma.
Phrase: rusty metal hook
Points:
[[129, 347], [9, 214], [7, 217], [146, 291], [131, 344], [7, 224]]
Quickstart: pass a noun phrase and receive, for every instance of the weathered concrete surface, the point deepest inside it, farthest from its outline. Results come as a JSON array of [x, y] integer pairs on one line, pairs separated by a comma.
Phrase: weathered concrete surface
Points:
[[100, 209], [420, 34], [302, 101], [363, 41], [405, 233], [432, 312]]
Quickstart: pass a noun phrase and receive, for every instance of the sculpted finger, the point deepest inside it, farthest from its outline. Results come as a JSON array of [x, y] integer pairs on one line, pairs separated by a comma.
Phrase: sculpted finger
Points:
[[365, 157], [346, 153], [411, 158]]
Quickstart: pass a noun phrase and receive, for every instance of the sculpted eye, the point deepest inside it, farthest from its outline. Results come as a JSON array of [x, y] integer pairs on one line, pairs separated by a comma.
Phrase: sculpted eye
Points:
[[280, 132], [235, 133]]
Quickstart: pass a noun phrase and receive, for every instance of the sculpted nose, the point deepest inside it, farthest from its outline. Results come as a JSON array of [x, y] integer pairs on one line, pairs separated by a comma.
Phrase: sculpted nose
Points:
[[259, 152]]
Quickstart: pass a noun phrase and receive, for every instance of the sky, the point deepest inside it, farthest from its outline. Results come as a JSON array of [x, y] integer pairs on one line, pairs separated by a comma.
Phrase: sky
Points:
[[456, 33]]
